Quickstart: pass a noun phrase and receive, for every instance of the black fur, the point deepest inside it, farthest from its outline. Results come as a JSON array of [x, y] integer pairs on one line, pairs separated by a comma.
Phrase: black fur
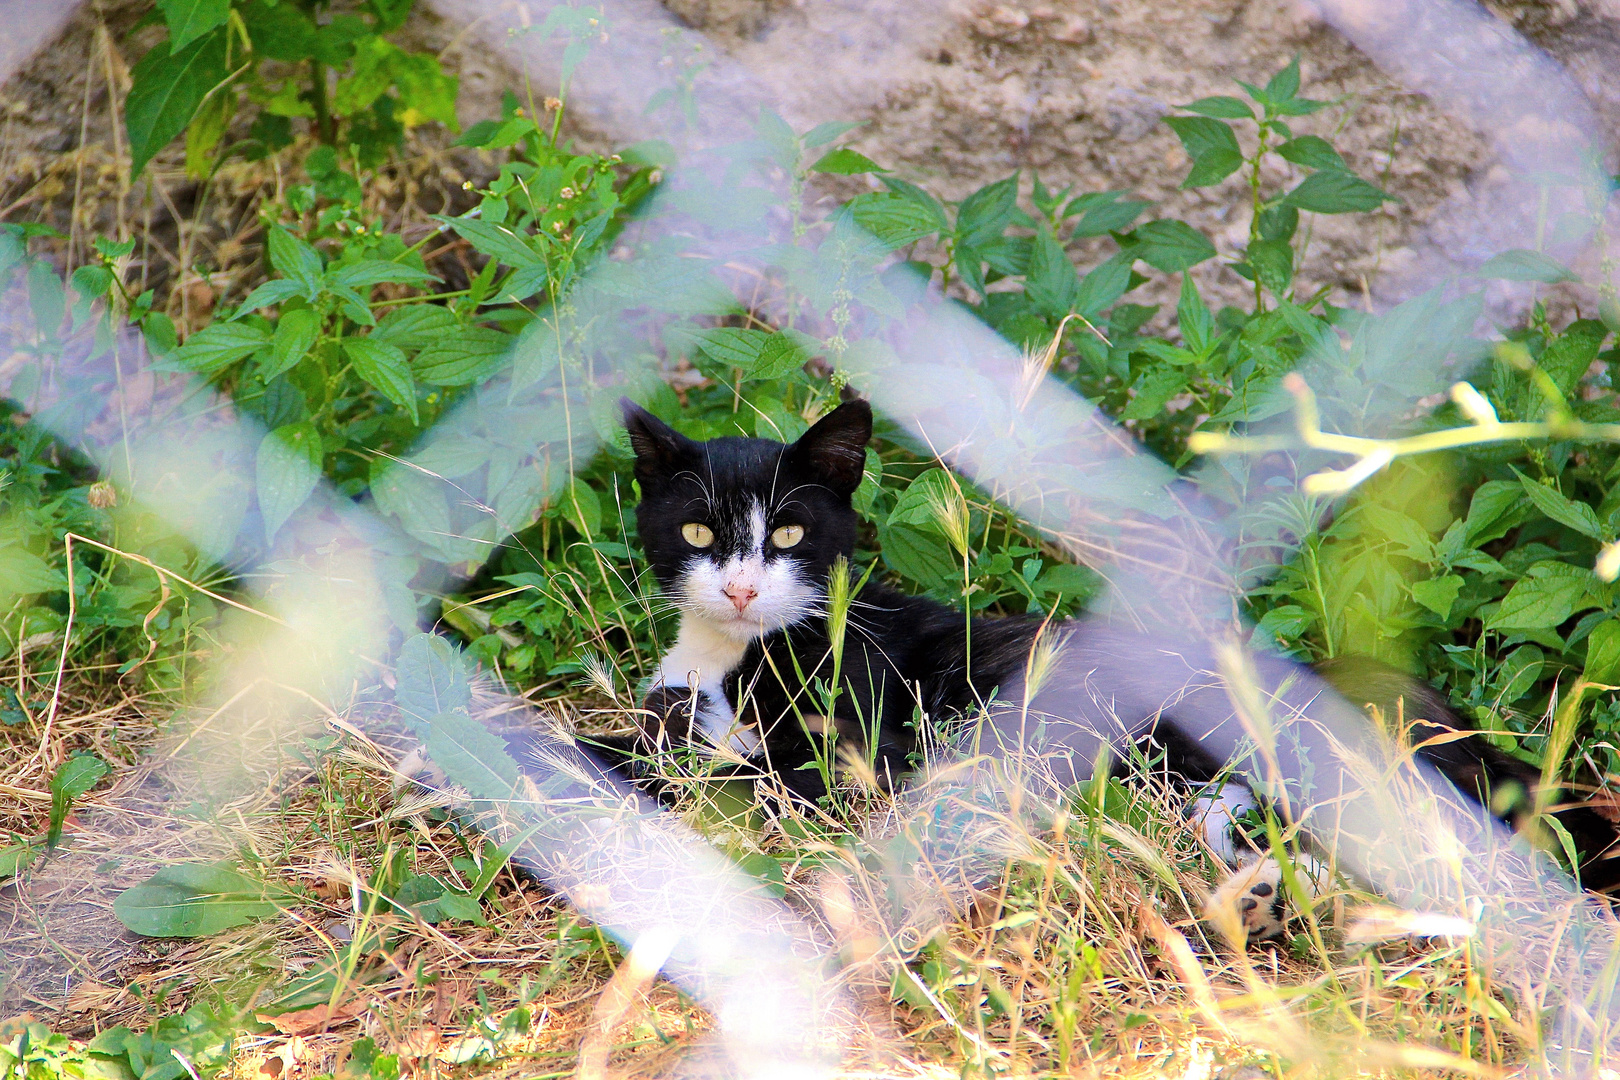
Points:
[[904, 654]]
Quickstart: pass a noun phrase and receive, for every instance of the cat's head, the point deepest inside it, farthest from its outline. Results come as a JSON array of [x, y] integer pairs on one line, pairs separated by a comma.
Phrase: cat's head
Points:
[[741, 532]]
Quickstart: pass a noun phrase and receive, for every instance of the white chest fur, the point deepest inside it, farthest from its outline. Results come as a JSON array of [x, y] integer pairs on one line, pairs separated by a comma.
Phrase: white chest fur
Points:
[[700, 660]]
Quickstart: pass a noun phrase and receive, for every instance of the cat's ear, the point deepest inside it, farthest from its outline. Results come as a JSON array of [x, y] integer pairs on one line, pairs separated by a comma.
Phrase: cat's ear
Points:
[[834, 449], [661, 451]]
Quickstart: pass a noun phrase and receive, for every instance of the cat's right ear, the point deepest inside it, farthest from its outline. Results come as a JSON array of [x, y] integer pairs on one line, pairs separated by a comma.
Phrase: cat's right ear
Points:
[[661, 451]]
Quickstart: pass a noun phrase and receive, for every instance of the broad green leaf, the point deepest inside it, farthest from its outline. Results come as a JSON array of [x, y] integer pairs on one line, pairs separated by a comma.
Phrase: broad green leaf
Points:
[[274, 292], [418, 501], [294, 259], [1519, 673], [1523, 265], [295, 334], [194, 900], [1104, 212], [472, 757], [1193, 317], [370, 272], [1272, 261], [894, 220], [921, 502], [189, 20], [22, 573], [985, 213], [1200, 135], [824, 133], [1171, 246], [1550, 593], [1568, 356], [1578, 516], [1212, 167], [846, 162], [384, 367], [1050, 282], [1149, 394], [414, 326], [1603, 653], [1313, 152], [580, 504], [288, 467], [1438, 594], [781, 354], [166, 87], [75, 776], [920, 556], [1285, 84], [431, 677], [1333, 191], [731, 346], [280, 31], [498, 242], [1220, 107], [1104, 285], [15, 858], [1496, 507], [215, 346], [462, 358], [1072, 582]]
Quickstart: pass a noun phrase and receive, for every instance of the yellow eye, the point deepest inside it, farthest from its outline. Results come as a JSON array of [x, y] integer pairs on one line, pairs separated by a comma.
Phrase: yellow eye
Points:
[[699, 536], [787, 536]]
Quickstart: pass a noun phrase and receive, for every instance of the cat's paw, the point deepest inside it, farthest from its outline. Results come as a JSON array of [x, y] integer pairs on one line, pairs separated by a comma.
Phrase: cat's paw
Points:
[[1251, 899]]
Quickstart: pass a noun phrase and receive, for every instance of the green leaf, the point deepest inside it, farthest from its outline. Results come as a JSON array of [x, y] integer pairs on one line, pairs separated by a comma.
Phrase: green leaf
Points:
[[384, 367], [498, 242], [165, 91], [984, 214], [1333, 191], [189, 20], [1104, 285], [1285, 84], [919, 503], [1273, 263], [923, 557], [1200, 136], [295, 334], [894, 220], [1050, 281], [274, 292], [1157, 385], [463, 358], [194, 900], [22, 573], [369, 272], [1550, 593], [414, 326], [846, 162], [1568, 356], [1212, 167], [1313, 152], [217, 345], [472, 757], [75, 776], [781, 354], [1438, 594], [15, 858], [1524, 265], [294, 259], [288, 467], [418, 501], [431, 678], [1220, 107], [1603, 653], [731, 346], [1496, 507], [1171, 245], [1193, 317], [1578, 516], [45, 299], [1104, 212], [824, 133]]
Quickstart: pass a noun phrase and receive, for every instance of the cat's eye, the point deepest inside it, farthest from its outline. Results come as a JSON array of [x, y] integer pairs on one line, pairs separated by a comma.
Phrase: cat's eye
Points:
[[699, 536], [787, 536]]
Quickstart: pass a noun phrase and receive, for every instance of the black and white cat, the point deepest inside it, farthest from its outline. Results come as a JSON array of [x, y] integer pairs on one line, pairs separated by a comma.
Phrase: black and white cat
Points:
[[742, 534]]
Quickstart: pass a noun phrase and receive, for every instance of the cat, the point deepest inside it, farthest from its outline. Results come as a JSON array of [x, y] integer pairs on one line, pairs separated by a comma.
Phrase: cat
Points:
[[742, 535]]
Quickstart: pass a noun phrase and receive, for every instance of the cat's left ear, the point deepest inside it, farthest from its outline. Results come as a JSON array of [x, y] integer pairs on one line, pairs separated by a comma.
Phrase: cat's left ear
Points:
[[834, 449]]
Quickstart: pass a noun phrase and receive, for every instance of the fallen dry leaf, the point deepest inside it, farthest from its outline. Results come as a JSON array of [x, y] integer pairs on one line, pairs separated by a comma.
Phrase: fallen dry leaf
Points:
[[315, 1019]]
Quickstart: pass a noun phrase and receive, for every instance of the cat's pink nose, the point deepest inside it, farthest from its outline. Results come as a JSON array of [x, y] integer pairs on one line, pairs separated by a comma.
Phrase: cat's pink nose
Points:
[[741, 595]]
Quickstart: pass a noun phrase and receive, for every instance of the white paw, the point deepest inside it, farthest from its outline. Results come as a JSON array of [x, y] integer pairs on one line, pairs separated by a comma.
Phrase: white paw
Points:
[[1252, 901]]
